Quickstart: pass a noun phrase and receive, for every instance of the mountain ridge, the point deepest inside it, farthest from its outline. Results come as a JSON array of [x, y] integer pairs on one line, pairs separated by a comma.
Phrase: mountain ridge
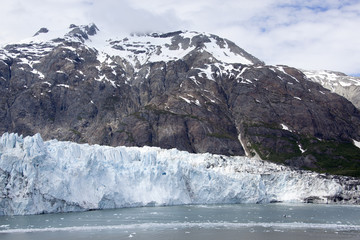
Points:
[[340, 83], [186, 90]]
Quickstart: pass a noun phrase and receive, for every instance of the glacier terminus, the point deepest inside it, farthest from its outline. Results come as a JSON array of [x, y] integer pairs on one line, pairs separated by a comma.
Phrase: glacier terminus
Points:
[[39, 176]]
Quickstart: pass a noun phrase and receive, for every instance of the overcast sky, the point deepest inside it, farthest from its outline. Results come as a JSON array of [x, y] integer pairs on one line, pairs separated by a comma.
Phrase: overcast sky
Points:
[[310, 34]]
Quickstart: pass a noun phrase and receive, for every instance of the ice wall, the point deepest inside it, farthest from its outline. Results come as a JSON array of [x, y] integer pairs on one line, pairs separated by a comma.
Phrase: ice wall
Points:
[[53, 176]]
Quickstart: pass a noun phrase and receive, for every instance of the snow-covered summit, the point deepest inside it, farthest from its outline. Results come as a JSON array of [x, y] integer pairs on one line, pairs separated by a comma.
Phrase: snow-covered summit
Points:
[[73, 33], [139, 49], [340, 83], [30, 51], [176, 45], [331, 79]]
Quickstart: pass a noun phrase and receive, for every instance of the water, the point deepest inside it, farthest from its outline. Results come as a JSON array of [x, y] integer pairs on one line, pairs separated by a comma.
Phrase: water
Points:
[[209, 222]]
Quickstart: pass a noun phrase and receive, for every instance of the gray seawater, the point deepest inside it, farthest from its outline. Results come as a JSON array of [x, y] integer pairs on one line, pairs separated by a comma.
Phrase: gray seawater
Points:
[[203, 222]]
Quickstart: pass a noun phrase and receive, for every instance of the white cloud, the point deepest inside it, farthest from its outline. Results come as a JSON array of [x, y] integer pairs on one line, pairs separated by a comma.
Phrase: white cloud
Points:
[[312, 34]]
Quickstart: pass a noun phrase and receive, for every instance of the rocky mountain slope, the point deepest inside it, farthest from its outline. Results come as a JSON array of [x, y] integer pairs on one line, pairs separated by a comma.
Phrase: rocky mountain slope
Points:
[[340, 83], [186, 90]]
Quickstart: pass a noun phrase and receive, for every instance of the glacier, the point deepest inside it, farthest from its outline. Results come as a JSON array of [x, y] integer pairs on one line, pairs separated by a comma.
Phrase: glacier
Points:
[[39, 176]]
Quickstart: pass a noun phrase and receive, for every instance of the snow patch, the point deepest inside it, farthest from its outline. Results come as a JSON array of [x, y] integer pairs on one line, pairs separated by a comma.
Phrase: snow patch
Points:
[[345, 84], [197, 102], [284, 127], [40, 74], [225, 54], [193, 78], [243, 145], [185, 99], [301, 149], [283, 71], [103, 78], [356, 143], [63, 85], [207, 72]]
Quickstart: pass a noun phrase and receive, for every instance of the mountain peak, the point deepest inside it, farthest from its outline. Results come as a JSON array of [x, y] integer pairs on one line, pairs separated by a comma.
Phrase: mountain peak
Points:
[[42, 30], [82, 32], [148, 47], [89, 30], [183, 89], [340, 83], [176, 45]]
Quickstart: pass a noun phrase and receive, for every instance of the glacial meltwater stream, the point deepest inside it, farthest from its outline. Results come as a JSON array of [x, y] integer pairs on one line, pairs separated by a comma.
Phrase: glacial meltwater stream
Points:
[[238, 221]]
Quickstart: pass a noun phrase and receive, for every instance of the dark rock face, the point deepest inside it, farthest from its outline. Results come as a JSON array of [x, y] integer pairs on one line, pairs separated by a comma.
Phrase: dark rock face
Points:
[[197, 103], [42, 30]]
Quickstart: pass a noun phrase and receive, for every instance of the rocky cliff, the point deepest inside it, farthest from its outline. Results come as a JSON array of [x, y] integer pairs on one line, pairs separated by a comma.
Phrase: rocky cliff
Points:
[[186, 90]]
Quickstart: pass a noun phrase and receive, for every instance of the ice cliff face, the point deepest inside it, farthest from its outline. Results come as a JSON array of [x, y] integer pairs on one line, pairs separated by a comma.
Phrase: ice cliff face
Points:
[[54, 176]]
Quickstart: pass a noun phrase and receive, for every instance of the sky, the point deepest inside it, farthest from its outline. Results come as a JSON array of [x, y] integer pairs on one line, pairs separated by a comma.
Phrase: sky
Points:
[[307, 34]]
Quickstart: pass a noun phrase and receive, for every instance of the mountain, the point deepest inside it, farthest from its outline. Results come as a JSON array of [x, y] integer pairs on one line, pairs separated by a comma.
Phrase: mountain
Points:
[[53, 176], [187, 90], [340, 83]]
